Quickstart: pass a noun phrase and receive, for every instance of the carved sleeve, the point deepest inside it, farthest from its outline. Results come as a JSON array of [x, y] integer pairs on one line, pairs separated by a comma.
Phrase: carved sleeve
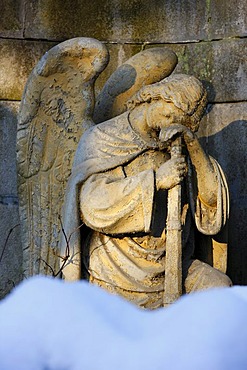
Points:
[[211, 219], [114, 204]]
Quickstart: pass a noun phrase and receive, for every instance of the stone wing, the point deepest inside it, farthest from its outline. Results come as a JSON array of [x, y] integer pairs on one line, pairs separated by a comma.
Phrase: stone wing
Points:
[[56, 108], [144, 68]]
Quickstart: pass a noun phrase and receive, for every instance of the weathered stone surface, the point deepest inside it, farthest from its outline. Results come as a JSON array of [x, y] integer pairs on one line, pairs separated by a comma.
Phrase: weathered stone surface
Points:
[[17, 60], [226, 18], [12, 18], [221, 64], [127, 144], [11, 258], [146, 67], [119, 53], [8, 122], [136, 21], [56, 109], [10, 252], [223, 134], [208, 61]]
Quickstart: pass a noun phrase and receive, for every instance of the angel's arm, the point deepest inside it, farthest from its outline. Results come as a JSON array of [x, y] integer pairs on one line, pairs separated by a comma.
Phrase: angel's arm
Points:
[[207, 182], [114, 204], [206, 177]]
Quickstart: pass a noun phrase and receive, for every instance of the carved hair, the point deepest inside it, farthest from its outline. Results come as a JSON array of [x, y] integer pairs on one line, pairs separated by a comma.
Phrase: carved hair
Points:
[[185, 92]]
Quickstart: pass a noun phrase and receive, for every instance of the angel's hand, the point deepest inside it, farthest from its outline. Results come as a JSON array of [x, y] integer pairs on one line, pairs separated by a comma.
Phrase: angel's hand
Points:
[[167, 133], [171, 173]]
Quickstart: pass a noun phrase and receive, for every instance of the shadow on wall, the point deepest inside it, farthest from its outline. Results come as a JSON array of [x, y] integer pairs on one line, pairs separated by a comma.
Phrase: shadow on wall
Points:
[[10, 246], [228, 146]]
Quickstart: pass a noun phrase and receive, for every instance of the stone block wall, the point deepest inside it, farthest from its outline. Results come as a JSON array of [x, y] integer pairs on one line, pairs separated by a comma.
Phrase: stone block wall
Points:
[[209, 37]]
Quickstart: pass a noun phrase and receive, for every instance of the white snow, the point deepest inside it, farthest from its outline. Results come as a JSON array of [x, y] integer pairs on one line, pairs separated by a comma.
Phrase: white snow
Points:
[[47, 324]]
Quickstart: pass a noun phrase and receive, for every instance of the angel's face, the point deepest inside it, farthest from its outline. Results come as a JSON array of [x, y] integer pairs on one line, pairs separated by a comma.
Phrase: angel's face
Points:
[[162, 114]]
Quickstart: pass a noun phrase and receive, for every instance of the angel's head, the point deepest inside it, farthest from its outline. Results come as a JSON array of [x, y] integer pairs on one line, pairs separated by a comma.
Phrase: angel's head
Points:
[[177, 99]]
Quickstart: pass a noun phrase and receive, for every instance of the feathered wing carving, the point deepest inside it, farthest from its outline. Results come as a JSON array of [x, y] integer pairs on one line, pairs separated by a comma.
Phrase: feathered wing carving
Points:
[[56, 109]]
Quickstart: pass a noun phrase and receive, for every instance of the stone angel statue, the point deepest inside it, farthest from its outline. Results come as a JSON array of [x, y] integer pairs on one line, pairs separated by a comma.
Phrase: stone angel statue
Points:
[[57, 107], [128, 164]]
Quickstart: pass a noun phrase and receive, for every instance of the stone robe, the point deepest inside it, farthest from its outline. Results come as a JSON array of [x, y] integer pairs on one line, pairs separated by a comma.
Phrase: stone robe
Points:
[[113, 181]]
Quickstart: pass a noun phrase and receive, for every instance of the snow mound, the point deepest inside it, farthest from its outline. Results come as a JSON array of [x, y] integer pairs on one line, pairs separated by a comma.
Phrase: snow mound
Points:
[[47, 324]]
